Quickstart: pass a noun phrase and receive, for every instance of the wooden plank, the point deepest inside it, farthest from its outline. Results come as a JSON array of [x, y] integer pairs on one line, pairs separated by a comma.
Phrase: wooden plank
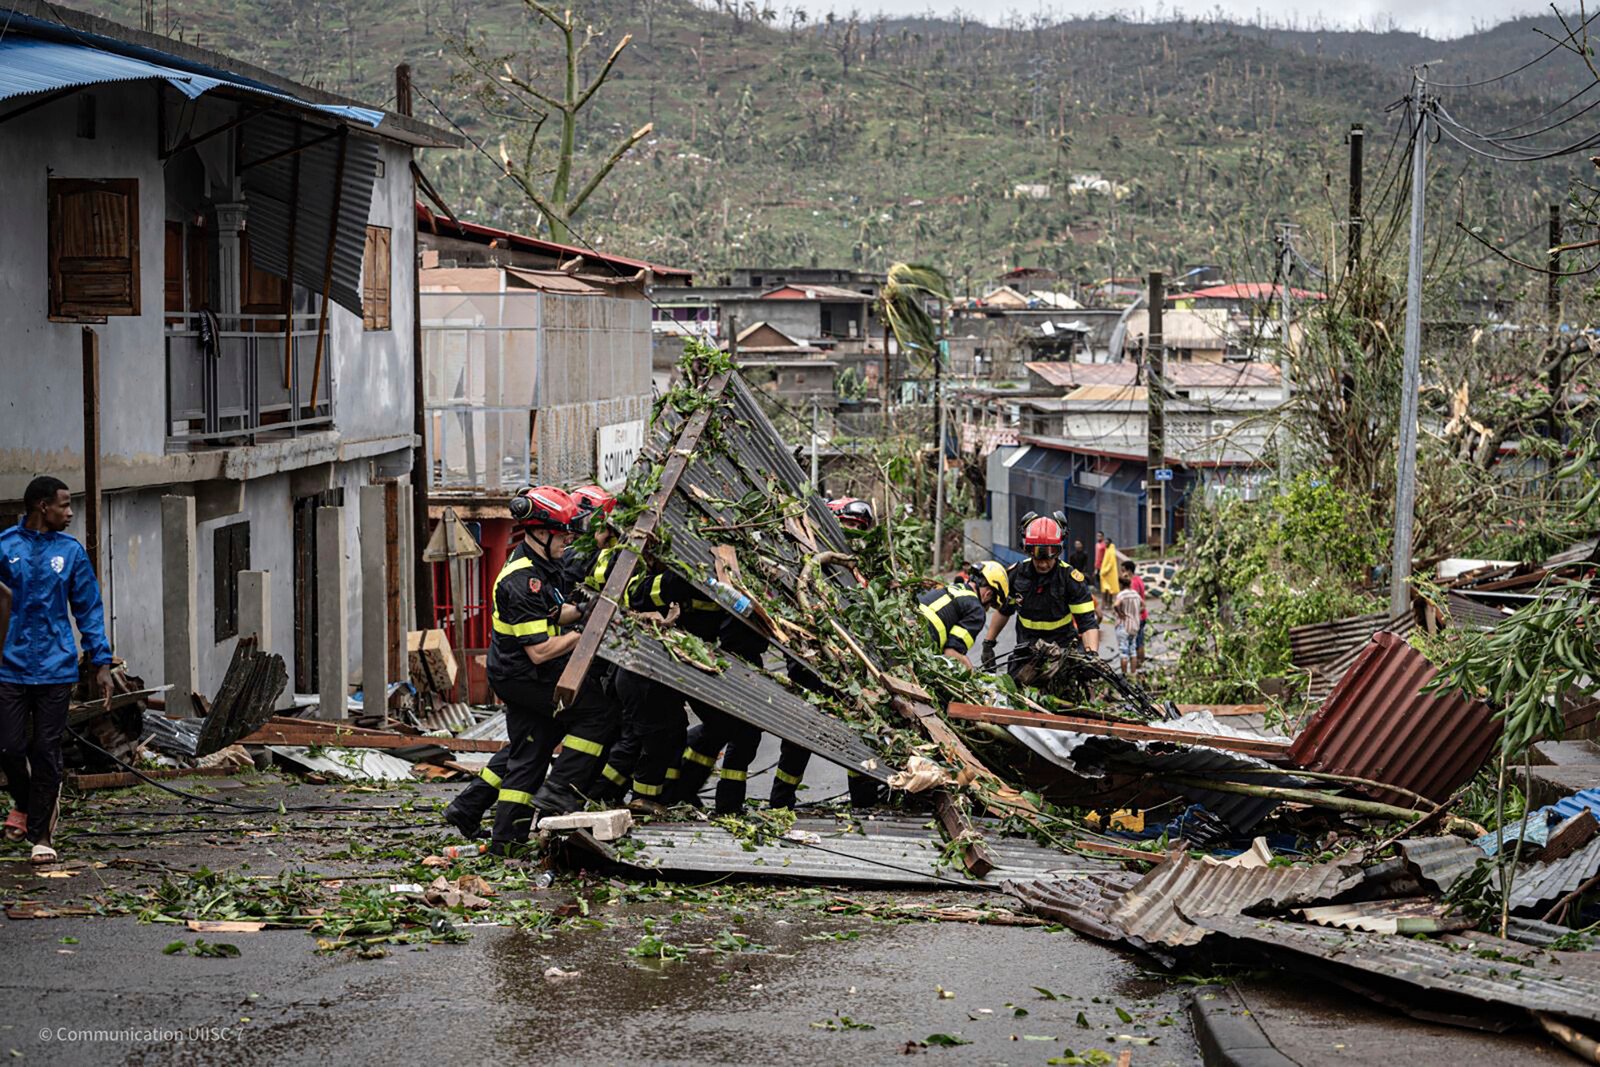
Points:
[[583, 656], [1264, 750], [282, 735], [975, 855], [1119, 851], [991, 791], [126, 779]]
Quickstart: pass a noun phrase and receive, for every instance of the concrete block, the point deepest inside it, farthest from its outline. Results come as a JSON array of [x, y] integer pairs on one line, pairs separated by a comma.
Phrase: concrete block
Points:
[[333, 685], [604, 825], [218, 498], [180, 651], [375, 579]]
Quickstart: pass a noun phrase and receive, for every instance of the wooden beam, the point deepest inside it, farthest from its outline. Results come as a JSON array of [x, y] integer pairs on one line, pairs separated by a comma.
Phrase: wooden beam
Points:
[[295, 149], [245, 115], [638, 539], [975, 854], [91, 448], [292, 735], [1263, 750], [991, 791]]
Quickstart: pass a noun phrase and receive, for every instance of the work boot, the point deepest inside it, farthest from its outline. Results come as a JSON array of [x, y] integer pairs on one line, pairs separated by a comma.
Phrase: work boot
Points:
[[469, 828]]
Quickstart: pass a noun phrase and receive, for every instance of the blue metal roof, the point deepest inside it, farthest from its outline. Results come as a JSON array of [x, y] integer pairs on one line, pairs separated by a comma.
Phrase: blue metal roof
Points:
[[30, 65]]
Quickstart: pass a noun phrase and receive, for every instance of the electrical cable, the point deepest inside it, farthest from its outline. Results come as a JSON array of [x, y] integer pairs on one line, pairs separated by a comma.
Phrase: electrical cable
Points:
[[1518, 70]]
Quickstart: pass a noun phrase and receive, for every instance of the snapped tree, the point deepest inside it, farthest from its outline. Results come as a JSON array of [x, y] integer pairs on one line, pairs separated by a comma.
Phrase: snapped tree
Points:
[[543, 174]]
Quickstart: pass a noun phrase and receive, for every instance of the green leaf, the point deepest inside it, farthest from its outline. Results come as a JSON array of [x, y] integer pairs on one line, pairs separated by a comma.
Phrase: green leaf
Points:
[[1083, 1020], [1046, 994], [945, 1040], [1124, 1016], [173, 948]]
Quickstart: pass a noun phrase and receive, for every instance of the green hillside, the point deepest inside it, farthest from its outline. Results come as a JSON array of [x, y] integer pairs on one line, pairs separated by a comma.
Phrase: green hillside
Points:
[[861, 144]]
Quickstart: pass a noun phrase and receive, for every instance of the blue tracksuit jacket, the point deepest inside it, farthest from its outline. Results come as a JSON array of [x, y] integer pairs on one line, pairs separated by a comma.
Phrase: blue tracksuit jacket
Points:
[[47, 573]]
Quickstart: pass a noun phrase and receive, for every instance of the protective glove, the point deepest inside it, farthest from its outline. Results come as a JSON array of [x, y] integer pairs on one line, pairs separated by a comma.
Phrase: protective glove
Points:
[[988, 655]]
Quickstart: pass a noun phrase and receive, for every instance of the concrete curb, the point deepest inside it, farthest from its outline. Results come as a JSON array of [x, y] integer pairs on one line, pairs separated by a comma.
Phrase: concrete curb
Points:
[[1228, 1034]]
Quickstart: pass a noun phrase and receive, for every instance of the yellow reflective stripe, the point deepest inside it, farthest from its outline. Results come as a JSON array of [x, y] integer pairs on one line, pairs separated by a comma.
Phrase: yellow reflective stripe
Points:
[[1082, 609], [647, 790], [517, 629], [937, 623], [655, 592], [961, 632], [516, 796], [958, 591], [520, 629], [613, 775], [733, 776], [1048, 624], [601, 568], [573, 741], [786, 778], [694, 757], [489, 776], [672, 774]]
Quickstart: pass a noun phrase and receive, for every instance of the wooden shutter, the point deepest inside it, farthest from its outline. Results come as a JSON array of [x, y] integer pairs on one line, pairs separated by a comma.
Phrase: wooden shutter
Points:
[[172, 279], [375, 274], [230, 555], [94, 247], [260, 293]]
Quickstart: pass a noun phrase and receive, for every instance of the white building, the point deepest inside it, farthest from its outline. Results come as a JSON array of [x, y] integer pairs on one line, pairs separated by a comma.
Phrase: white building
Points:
[[241, 248]]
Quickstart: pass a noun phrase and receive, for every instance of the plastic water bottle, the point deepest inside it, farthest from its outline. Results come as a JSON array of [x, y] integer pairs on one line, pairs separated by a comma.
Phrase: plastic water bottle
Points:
[[463, 852], [730, 598]]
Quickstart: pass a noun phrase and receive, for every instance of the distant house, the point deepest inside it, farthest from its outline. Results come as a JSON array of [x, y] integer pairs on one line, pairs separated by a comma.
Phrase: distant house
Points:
[[1242, 297], [1027, 279], [1205, 335], [786, 366]]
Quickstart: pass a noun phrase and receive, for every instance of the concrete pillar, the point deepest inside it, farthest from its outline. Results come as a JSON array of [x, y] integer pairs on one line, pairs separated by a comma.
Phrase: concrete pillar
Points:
[[333, 670], [230, 224], [180, 653], [374, 541], [408, 571], [255, 608]]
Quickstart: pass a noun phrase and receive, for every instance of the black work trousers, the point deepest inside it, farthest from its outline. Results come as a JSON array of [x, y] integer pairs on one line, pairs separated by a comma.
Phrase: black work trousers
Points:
[[531, 785], [33, 720], [736, 740], [657, 723]]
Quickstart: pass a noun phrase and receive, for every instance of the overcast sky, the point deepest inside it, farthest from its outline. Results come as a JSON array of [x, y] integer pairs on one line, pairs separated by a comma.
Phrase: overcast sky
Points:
[[1435, 18]]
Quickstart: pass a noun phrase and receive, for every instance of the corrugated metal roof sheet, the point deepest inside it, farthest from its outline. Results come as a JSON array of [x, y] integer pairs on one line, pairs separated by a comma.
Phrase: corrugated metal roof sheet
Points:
[[491, 729], [1408, 915], [1081, 904], [30, 65], [1533, 829], [1544, 883], [1379, 724], [430, 222], [1091, 755], [348, 764], [1576, 804], [278, 202], [1167, 902], [1318, 643], [1538, 980], [896, 850], [1440, 861], [747, 695]]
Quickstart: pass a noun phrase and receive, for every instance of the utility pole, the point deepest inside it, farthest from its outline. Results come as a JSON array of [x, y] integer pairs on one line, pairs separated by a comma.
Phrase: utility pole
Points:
[[938, 448], [1356, 140], [1405, 495], [1155, 390], [1285, 380], [422, 570], [815, 486]]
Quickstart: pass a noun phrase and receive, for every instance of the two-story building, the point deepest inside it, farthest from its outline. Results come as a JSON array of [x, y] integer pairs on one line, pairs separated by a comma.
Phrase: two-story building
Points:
[[206, 288]]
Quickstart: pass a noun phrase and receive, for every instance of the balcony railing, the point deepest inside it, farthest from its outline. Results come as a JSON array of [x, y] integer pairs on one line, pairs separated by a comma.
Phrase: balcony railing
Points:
[[241, 388]]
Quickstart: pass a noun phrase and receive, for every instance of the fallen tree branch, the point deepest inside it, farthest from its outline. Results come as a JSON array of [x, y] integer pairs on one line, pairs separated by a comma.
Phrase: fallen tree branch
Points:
[[1317, 799], [1580, 1045]]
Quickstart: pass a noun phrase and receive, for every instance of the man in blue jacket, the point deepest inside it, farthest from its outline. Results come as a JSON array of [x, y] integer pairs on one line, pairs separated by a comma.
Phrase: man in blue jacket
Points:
[[43, 573]]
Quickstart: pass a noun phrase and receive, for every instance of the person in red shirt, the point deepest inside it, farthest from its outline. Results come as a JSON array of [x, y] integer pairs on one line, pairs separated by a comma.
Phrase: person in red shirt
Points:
[[1136, 583]]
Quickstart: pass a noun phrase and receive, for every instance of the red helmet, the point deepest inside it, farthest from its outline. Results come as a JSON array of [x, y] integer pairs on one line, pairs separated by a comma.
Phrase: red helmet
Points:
[[853, 514], [1042, 538], [544, 507], [594, 498]]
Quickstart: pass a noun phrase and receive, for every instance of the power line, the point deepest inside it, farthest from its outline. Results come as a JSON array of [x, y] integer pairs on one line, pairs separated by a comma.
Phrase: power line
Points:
[[1541, 57]]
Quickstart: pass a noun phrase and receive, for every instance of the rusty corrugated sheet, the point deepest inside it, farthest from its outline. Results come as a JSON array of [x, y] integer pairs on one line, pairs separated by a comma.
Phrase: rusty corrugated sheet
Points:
[[1319, 643], [1379, 724], [1534, 979], [1408, 915], [1162, 908], [1081, 904], [1440, 861]]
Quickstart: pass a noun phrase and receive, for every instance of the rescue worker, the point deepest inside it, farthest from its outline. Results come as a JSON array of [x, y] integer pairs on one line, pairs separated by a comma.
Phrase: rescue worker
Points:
[[855, 517], [531, 642], [955, 614], [717, 731], [1052, 602], [595, 506]]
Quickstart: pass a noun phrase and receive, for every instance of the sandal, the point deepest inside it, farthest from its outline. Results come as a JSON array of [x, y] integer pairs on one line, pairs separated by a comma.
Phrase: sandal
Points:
[[16, 825], [43, 854]]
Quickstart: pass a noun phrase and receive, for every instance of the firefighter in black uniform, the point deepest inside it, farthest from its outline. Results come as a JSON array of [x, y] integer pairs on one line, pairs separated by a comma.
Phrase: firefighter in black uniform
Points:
[[955, 614], [855, 517], [531, 641], [467, 810], [717, 731], [1052, 602]]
